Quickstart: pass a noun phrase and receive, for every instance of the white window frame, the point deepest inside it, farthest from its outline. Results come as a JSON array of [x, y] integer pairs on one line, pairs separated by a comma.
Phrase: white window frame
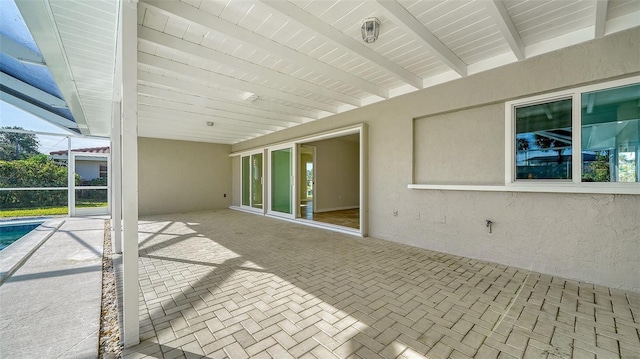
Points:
[[292, 185], [575, 184], [264, 181]]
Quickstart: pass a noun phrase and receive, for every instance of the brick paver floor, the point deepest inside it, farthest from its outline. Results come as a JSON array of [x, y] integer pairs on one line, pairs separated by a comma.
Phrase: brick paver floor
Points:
[[228, 284]]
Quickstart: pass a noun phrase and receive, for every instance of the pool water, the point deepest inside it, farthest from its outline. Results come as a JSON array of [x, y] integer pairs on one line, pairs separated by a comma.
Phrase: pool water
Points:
[[12, 232]]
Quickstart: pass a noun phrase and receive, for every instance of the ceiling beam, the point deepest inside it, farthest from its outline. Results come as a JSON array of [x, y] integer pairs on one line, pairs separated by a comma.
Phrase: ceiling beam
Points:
[[156, 104], [30, 91], [403, 19], [199, 74], [20, 52], [501, 17], [195, 124], [153, 125], [218, 94], [333, 35], [268, 116], [198, 17], [601, 18], [150, 133], [205, 53]]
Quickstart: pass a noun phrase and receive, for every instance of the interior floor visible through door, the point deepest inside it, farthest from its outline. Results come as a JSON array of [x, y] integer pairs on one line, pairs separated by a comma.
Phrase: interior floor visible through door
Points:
[[345, 218]]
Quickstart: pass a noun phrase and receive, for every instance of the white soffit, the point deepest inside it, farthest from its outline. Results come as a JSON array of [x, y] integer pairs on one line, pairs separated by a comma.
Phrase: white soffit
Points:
[[78, 42]]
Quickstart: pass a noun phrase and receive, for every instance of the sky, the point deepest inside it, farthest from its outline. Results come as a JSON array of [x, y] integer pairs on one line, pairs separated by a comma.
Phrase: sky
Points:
[[13, 116]]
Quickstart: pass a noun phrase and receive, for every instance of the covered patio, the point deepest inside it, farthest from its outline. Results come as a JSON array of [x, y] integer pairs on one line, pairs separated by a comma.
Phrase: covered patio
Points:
[[461, 250], [213, 286]]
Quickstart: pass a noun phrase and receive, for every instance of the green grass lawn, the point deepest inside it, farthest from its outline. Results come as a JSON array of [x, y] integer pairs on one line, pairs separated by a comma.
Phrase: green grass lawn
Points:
[[47, 211]]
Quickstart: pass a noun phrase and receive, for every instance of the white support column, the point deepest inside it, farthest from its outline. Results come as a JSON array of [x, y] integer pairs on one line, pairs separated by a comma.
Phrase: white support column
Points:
[[71, 181], [116, 178], [130, 289]]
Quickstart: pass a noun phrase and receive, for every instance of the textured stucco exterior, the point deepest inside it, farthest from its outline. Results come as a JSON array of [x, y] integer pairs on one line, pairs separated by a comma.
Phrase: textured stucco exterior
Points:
[[182, 176], [595, 238]]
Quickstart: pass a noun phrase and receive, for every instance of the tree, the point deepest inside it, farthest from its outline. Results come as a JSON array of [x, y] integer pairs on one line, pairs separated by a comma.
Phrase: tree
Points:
[[598, 170], [523, 145], [35, 171], [546, 143], [17, 146]]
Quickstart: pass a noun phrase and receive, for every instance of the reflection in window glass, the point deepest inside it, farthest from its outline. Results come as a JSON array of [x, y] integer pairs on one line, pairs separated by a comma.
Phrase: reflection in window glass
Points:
[[543, 141], [611, 135]]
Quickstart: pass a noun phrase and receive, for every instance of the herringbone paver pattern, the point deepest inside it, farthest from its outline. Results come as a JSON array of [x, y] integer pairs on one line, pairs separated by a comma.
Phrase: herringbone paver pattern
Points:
[[232, 285]]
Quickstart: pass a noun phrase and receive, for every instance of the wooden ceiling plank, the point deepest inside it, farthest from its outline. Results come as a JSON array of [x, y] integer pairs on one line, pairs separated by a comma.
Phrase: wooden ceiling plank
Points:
[[217, 94], [227, 81], [403, 19], [193, 15], [337, 37], [501, 17], [220, 105]]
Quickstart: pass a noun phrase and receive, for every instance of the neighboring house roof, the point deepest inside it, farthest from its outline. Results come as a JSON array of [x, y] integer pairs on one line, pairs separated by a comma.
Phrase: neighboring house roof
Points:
[[87, 150]]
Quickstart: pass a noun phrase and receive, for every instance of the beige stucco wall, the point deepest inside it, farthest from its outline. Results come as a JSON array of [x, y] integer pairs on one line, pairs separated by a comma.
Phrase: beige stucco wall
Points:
[[182, 176], [472, 154]]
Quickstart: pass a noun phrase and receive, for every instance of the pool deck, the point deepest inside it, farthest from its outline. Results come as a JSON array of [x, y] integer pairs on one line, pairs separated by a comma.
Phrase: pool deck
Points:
[[50, 306]]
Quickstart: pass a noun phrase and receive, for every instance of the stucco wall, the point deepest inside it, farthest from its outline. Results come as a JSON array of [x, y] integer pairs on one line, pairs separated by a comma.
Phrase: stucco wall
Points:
[[461, 147], [595, 238], [88, 170], [182, 176]]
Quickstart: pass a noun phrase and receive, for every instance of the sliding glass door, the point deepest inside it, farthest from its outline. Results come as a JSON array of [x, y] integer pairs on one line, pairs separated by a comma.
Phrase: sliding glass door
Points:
[[281, 180], [252, 181]]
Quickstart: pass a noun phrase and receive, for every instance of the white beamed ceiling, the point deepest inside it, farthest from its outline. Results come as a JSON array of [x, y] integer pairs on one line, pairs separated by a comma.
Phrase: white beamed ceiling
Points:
[[198, 60], [305, 60]]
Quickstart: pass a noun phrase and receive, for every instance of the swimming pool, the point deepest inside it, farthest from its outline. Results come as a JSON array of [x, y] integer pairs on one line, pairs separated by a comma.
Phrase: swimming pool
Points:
[[11, 232]]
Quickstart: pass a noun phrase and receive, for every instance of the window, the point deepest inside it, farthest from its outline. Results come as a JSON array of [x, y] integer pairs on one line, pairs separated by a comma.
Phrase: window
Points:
[[103, 171], [543, 141], [610, 134], [582, 136]]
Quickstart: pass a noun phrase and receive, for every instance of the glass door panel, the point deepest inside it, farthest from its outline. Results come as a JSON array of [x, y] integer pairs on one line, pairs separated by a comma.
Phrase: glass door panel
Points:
[[90, 192], [256, 181], [246, 180], [281, 180]]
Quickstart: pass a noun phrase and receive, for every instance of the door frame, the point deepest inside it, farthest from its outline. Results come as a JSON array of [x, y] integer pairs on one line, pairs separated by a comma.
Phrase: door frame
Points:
[[361, 129], [73, 211], [313, 171], [292, 184], [264, 182]]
